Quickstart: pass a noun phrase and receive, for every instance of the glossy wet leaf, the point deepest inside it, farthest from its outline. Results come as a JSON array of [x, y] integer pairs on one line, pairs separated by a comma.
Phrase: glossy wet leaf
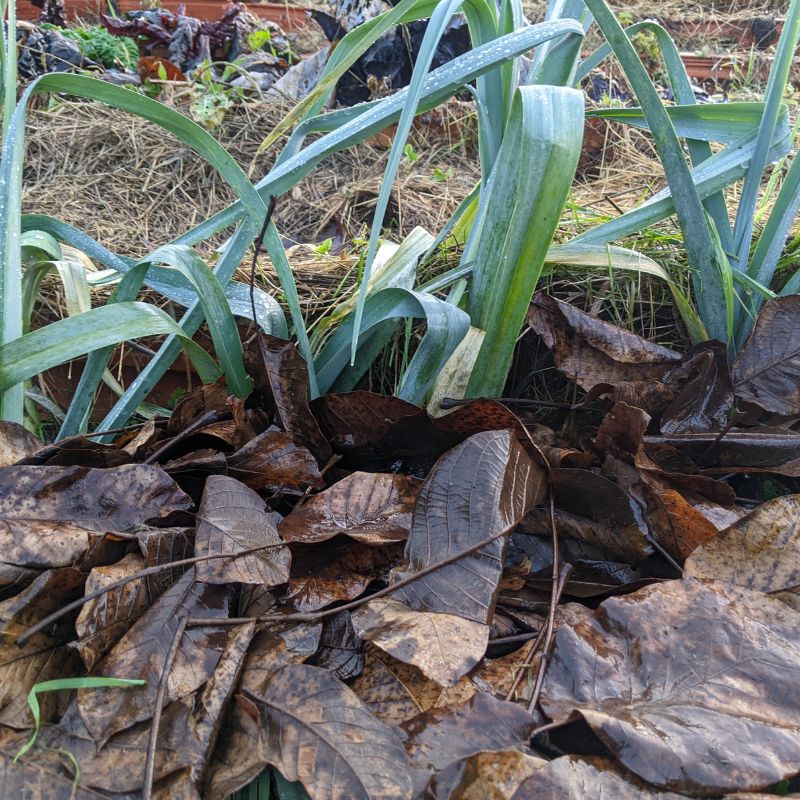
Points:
[[315, 730], [590, 350], [767, 369], [274, 459], [441, 736], [678, 676], [105, 619], [484, 486], [442, 646], [232, 519], [45, 656], [373, 508], [760, 551], [142, 653]]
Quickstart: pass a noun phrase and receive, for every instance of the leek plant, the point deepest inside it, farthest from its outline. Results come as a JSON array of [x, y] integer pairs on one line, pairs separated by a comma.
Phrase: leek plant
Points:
[[530, 129]]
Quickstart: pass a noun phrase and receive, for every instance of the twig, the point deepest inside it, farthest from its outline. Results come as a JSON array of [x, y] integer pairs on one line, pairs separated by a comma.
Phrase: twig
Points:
[[706, 454], [184, 562], [547, 727], [548, 639], [663, 553], [150, 762], [200, 422], [329, 612], [259, 240]]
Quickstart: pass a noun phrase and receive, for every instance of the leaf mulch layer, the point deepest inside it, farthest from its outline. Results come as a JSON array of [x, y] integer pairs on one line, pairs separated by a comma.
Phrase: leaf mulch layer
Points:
[[382, 604]]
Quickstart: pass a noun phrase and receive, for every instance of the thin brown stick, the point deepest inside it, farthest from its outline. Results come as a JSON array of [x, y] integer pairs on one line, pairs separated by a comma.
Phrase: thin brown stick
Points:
[[329, 612], [150, 762], [525, 666], [200, 422], [558, 588], [184, 562]]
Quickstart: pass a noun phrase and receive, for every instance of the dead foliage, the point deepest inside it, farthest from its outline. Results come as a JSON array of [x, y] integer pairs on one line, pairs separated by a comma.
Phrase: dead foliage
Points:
[[381, 604]]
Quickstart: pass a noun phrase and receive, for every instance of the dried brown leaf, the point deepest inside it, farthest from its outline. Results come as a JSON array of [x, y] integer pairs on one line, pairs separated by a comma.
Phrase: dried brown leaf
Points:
[[45, 655], [767, 370], [393, 691], [442, 646], [680, 675], [162, 546], [16, 443], [484, 776], [314, 729], [582, 778], [591, 351], [232, 520], [441, 736], [373, 508], [142, 653], [760, 551], [484, 486], [105, 619], [341, 650]]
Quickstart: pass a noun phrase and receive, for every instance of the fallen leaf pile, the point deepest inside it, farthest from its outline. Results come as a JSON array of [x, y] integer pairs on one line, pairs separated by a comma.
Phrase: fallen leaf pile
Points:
[[381, 604]]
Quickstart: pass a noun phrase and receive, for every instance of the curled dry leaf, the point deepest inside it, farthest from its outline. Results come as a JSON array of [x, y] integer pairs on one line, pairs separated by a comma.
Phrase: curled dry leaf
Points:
[[16, 443], [767, 369], [577, 778], [484, 776], [105, 619], [483, 487], [281, 375], [45, 655], [142, 653], [443, 646], [373, 508], [706, 400], [208, 397], [273, 458], [232, 520], [590, 351], [314, 729], [680, 675], [441, 736], [48, 513], [340, 569], [393, 691], [760, 551]]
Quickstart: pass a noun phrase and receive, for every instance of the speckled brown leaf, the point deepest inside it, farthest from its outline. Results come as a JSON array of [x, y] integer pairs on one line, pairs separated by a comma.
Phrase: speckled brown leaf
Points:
[[161, 546], [690, 684], [484, 776], [340, 569], [373, 508], [314, 729], [45, 656], [442, 646], [393, 691], [16, 442], [760, 551], [274, 459], [767, 369], [142, 653], [231, 520], [105, 619], [590, 350], [484, 486], [281, 375], [584, 778], [48, 513], [441, 736]]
